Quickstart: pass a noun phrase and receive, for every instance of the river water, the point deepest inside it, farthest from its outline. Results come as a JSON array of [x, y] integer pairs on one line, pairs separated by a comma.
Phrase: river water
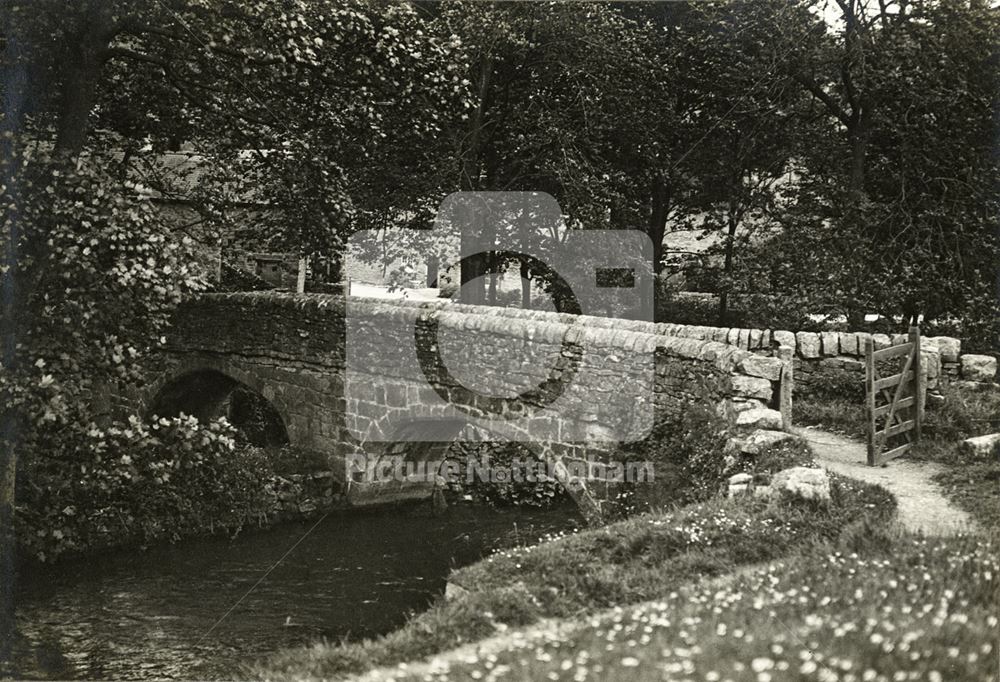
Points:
[[175, 612]]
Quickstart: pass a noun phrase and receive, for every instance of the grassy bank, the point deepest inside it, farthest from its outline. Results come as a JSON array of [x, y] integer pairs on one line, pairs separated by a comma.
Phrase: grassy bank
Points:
[[903, 609], [640, 559]]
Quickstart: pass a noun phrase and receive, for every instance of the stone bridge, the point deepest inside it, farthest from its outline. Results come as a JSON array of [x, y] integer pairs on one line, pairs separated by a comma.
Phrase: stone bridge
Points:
[[352, 377]]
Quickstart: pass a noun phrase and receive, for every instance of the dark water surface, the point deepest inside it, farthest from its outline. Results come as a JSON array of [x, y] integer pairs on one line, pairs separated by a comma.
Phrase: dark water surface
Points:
[[150, 615]]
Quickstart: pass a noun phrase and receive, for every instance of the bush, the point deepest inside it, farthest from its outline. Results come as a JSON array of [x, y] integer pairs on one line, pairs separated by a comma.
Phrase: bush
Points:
[[963, 414], [688, 455], [793, 452], [448, 290], [139, 482], [505, 475]]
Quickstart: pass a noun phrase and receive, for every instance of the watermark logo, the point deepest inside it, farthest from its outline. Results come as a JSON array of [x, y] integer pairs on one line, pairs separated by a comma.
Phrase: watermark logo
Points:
[[483, 469], [569, 375]]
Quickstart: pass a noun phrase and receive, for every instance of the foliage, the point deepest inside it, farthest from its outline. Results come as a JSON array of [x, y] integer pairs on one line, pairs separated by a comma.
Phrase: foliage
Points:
[[961, 413], [893, 210], [503, 474], [972, 485], [970, 482], [840, 415], [642, 558], [91, 274], [965, 412], [140, 483], [793, 452], [688, 453]]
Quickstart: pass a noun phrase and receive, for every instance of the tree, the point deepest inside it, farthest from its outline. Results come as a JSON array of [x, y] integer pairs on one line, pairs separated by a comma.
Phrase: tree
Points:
[[743, 125], [91, 270], [554, 99], [903, 194]]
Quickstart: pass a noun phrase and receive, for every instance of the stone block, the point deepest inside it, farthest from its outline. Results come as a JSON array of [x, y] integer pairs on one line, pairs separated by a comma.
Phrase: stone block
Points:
[[881, 341], [784, 338], [848, 343], [863, 339], [831, 343], [736, 489], [930, 359], [808, 344], [981, 368], [752, 387], [762, 439], [949, 347], [760, 417], [981, 447], [804, 482], [760, 366]]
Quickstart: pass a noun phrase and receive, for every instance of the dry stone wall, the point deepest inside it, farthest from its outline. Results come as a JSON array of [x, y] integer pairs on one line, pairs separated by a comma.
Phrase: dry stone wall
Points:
[[818, 355]]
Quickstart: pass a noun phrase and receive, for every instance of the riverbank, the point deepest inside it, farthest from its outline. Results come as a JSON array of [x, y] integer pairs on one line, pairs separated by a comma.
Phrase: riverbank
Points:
[[649, 557], [904, 608]]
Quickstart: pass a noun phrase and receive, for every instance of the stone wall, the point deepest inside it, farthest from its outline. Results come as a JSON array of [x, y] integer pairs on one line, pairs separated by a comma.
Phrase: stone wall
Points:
[[293, 350], [818, 355]]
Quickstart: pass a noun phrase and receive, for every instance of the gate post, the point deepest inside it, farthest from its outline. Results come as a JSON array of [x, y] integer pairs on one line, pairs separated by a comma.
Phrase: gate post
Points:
[[870, 396], [919, 382], [787, 379]]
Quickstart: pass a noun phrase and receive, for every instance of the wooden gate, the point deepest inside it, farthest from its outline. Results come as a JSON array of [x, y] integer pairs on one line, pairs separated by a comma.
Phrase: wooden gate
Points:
[[895, 398]]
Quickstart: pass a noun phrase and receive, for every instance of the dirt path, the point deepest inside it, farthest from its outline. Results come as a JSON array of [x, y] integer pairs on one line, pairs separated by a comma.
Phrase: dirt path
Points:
[[922, 506]]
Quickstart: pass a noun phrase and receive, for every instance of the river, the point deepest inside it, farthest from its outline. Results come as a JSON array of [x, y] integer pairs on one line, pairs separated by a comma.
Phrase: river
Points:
[[175, 611]]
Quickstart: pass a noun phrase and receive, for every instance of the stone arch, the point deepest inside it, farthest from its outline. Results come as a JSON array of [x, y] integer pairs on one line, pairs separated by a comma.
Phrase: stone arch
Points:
[[208, 393]]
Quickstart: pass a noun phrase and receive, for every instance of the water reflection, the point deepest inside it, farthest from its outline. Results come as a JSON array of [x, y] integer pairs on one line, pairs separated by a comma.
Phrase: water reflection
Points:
[[156, 614]]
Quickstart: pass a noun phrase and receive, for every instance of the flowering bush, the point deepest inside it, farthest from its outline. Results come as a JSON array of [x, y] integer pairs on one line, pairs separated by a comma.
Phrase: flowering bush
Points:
[[138, 482], [91, 272]]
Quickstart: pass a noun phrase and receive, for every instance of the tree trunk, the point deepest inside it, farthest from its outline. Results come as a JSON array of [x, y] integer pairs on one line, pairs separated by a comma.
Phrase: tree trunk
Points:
[[80, 73], [656, 229], [473, 267], [727, 268], [525, 286], [8, 541], [79, 91], [859, 154]]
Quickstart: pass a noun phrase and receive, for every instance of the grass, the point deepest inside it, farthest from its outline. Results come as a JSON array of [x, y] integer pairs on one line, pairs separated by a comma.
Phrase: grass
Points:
[[906, 608], [639, 559], [839, 415]]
